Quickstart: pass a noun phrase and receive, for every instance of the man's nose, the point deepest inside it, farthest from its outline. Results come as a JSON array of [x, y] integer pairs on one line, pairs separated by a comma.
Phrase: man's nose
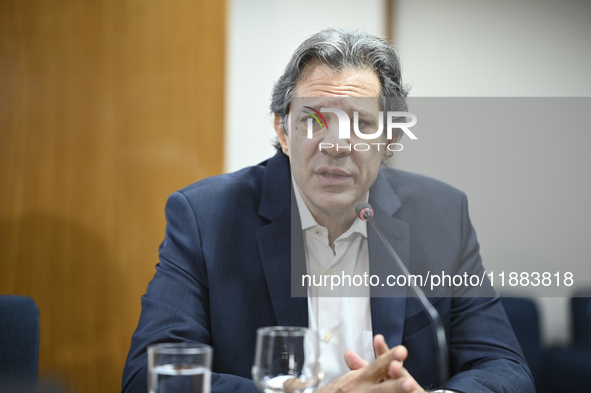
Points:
[[332, 144]]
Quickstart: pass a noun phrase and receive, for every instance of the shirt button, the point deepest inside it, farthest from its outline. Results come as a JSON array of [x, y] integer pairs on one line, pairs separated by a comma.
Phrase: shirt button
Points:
[[329, 272], [318, 231], [327, 337]]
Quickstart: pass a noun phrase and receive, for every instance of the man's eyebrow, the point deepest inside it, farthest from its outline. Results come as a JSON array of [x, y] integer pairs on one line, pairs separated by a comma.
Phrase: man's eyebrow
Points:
[[307, 108], [316, 105], [349, 109]]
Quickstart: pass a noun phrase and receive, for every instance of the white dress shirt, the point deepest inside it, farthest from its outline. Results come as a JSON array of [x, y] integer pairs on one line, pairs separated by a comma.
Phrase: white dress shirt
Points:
[[342, 321]]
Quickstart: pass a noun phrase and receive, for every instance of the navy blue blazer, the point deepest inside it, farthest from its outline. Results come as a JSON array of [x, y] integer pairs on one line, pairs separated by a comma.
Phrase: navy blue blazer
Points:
[[225, 268]]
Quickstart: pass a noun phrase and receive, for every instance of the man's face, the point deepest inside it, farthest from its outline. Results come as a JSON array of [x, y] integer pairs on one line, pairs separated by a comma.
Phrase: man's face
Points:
[[330, 180]]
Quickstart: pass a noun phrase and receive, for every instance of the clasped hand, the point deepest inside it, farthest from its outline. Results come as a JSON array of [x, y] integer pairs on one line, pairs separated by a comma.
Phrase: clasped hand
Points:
[[385, 374]]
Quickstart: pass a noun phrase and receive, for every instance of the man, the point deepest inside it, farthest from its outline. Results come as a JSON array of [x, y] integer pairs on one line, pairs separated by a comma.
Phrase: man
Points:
[[226, 262]]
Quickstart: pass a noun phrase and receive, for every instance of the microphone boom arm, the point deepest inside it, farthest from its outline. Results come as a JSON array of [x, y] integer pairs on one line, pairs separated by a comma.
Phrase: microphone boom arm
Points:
[[365, 213]]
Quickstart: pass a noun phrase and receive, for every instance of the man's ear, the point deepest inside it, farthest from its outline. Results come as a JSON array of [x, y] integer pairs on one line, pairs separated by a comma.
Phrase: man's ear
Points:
[[280, 131]]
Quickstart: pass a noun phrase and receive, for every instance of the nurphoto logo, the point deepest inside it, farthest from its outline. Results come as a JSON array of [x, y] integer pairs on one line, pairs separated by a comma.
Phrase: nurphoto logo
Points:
[[394, 120]]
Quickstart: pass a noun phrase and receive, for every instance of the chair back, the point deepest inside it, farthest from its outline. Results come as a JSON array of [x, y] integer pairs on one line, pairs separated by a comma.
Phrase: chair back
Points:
[[581, 319], [19, 340]]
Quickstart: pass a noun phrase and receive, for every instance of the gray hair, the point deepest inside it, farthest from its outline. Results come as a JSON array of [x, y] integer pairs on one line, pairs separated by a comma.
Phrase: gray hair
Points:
[[340, 49]]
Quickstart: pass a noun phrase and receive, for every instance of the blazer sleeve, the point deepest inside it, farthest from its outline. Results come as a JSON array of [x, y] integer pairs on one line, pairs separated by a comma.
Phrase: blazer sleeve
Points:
[[175, 307], [484, 353]]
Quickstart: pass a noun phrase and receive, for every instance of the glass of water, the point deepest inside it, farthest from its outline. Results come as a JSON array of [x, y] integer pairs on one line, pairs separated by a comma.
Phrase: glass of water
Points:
[[179, 367], [286, 359]]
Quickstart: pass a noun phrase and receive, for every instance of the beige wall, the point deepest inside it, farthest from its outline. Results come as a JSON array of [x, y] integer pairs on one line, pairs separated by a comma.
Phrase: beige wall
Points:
[[508, 48], [106, 107]]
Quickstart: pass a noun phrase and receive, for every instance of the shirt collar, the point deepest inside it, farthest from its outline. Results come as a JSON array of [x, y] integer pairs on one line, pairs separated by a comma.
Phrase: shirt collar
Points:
[[308, 220]]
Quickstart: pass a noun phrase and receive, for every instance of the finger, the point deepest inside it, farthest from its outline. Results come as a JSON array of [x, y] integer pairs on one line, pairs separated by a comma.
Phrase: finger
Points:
[[401, 352], [379, 344], [293, 385], [401, 385], [379, 368], [354, 361], [396, 370]]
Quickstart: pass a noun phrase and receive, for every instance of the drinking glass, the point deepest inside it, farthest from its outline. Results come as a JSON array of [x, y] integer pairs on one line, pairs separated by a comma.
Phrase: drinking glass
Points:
[[179, 367], [286, 359]]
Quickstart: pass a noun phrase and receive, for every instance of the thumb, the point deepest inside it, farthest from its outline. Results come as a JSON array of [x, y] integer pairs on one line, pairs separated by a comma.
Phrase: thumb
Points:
[[354, 361]]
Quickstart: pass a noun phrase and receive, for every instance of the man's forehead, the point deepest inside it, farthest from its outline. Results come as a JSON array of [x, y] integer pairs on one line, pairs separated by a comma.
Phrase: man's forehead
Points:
[[347, 104], [320, 80]]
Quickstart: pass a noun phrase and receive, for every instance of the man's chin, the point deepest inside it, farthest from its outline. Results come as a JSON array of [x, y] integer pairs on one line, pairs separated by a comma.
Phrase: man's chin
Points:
[[337, 204]]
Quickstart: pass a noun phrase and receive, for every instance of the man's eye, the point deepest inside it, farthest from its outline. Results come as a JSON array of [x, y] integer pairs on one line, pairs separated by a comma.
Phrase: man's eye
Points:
[[365, 126], [310, 122]]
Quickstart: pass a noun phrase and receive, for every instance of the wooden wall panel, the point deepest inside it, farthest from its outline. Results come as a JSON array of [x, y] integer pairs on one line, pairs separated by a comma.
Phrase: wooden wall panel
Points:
[[106, 107]]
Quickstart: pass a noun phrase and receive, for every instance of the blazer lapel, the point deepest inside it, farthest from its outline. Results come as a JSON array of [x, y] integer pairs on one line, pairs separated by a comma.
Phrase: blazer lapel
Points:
[[276, 244], [387, 303]]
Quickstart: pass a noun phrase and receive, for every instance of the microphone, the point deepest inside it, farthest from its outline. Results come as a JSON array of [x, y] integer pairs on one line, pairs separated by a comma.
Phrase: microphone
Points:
[[365, 212]]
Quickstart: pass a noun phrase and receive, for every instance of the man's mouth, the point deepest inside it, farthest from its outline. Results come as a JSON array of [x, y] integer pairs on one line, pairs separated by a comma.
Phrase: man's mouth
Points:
[[331, 174]]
